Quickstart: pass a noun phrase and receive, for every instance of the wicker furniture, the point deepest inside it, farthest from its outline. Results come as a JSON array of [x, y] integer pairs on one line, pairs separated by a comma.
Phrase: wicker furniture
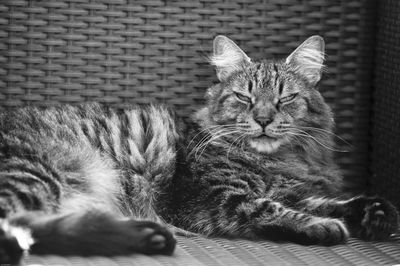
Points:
[[120, 52], [222, 252]]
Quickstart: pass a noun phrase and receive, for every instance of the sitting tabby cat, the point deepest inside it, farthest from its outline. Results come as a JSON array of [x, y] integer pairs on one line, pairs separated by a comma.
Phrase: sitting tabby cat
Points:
[[256, 163]]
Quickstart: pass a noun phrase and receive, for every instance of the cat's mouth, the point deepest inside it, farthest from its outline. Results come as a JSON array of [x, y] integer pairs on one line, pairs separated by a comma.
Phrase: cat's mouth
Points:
[[265, 143], [266, 137]]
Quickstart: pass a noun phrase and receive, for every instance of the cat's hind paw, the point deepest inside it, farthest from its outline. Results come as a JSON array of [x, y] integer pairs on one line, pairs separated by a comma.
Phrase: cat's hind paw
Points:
[[378, 218], [152, 238]]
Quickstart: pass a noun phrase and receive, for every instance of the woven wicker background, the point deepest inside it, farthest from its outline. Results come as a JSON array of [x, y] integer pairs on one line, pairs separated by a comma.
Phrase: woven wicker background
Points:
[[222, 252], [386, 120], [120, 52]]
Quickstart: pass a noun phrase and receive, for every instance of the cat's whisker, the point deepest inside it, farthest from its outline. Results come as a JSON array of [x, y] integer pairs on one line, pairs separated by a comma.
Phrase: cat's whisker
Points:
[[209, 135], [305, 134], [203, 141], [242, 141], [203, 145], [313, 138], [241, 146], [213, 138], [302, 137], [209, 128], [216, 130], [242, 136], [324, 131], [215, 127], [291, 143]]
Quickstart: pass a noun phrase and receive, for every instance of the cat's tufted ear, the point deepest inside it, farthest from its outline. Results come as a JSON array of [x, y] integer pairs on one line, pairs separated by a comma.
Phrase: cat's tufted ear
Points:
[[227, 57], [308, 59]]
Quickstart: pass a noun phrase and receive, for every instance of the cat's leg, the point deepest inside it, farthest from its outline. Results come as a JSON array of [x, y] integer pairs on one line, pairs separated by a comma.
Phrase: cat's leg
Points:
[[80, 233], [370, 218], [24, 185], [237, 215], [93, 232], [30, 221], [273, 221]]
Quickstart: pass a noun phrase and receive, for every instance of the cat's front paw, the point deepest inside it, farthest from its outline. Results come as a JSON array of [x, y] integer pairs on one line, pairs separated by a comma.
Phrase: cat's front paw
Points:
[[372, 218], [325, 231], [10, 250]]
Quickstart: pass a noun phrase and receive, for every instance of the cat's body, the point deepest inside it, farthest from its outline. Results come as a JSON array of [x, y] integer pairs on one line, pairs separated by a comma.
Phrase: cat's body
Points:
[[89, 156], [256, 162]]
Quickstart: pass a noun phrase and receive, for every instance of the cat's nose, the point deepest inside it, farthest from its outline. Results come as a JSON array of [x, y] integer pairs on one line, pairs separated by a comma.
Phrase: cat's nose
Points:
[[263, 121]]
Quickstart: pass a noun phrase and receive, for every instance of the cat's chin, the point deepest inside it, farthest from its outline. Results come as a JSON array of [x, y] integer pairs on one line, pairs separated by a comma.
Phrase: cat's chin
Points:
[[265, 146]]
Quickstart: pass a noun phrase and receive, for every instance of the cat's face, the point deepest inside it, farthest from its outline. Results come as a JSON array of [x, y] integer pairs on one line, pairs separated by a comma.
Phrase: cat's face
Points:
[[267, 103]]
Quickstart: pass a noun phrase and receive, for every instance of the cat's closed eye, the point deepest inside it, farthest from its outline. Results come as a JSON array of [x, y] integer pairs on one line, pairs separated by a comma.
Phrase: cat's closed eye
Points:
[[242, 97], [288, 98], [250, 86]]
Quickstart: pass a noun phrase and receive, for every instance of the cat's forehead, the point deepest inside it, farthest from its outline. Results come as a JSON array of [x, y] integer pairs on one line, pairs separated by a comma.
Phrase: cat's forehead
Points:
[[268, 76]]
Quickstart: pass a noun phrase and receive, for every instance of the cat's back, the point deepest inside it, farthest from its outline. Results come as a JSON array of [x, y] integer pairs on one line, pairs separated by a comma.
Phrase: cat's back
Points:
[[45, 121], [89, 119], [88, 143], [142, 138]]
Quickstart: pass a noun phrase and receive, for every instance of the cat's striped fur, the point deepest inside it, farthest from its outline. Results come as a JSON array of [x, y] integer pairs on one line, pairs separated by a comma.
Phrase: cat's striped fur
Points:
[[255, 162], [65, 158], [93, 166]]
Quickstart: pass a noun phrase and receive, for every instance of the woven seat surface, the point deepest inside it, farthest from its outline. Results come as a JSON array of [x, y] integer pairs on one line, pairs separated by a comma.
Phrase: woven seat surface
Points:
[[201, 251]]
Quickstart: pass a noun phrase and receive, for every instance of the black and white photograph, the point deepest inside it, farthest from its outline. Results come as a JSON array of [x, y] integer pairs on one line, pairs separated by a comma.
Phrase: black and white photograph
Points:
[[201, 133]]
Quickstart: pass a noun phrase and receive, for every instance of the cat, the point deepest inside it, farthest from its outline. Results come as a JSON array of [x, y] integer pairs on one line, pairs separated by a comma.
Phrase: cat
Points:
[[256, 161]]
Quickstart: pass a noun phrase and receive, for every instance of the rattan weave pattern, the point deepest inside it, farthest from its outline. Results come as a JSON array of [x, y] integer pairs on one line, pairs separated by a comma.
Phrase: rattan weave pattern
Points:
[[120, 52], [201, 251], [386, 120]]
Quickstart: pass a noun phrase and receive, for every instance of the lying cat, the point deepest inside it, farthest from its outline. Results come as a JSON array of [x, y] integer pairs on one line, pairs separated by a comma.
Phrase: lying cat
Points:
[[255, 162]]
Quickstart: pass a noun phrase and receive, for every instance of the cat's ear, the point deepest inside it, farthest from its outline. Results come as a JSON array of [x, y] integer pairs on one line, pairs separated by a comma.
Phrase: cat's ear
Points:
[[227, 57], [308, 59]]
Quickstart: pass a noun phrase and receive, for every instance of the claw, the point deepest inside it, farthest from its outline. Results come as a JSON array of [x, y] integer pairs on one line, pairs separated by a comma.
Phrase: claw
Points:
[[376, 204], [158, 241]]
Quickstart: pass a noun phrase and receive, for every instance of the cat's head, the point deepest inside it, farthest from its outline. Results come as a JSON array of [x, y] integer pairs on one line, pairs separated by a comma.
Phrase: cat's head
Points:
[[267, 103]]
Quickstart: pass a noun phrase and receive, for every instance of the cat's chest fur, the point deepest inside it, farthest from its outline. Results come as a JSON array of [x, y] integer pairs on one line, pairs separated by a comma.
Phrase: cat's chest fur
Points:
[[276, 171]]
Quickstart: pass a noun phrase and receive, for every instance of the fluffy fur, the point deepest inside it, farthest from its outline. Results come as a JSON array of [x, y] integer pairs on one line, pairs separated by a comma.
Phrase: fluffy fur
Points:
[[255, 162]]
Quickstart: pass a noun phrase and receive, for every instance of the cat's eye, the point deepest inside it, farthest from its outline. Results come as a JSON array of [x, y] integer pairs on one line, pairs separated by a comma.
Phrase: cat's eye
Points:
[[242, 97], [288, 98], [250, 86]]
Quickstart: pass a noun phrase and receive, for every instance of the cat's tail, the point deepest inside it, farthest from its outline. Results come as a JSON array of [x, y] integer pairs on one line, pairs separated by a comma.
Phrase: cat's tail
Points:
[[85, 233]]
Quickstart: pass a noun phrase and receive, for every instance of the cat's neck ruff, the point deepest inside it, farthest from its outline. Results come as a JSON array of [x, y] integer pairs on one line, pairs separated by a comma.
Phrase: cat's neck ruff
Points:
[[264, 146]]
